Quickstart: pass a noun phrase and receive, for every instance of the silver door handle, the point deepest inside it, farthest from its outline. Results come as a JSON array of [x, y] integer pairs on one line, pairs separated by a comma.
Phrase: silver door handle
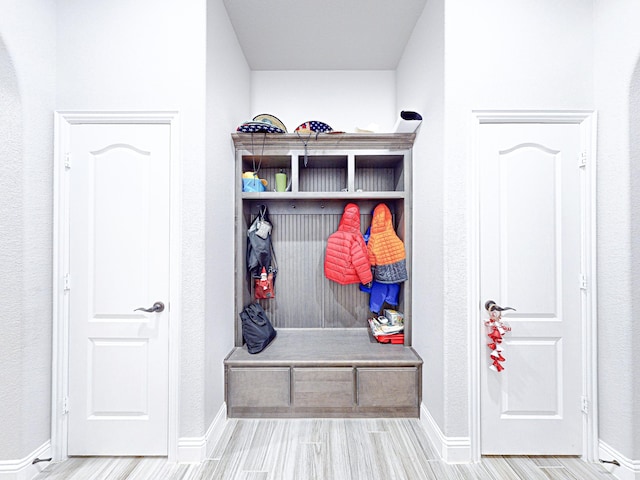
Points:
[[491, 306], [157, 307]]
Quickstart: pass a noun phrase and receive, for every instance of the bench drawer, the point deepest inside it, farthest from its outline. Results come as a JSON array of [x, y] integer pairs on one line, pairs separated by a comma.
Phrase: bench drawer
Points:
[[258, 387], [323, 387], [388, 387]]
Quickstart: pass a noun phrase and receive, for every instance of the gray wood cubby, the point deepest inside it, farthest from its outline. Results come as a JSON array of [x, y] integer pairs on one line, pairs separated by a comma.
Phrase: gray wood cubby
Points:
[[324, 361]]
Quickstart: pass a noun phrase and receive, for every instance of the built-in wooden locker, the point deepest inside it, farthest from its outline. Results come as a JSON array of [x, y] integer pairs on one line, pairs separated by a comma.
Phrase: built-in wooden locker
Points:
[[324, 361]]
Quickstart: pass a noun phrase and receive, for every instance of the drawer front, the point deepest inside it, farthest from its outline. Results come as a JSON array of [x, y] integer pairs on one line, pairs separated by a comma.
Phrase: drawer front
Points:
[[323, 387], [258, 387], [388, 387]]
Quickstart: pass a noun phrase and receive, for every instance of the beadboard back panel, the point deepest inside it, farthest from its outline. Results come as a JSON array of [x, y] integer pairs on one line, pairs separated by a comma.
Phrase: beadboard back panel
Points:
[[304, 298]]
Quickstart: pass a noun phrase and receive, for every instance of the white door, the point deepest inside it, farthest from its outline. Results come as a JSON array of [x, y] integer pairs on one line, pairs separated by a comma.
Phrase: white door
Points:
[[530, 259], [119, 261]]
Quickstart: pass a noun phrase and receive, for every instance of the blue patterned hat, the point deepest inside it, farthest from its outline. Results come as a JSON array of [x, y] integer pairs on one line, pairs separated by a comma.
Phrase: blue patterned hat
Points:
[[314, 126], [258, 127], [263, 123]]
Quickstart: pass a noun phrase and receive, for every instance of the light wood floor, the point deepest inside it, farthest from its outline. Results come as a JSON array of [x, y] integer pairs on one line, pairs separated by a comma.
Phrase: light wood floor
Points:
[[325, 449]]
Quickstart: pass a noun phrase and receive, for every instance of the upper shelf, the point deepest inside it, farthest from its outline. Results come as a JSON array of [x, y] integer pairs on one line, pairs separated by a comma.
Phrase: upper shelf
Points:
[[255, 142], [270, 195], [332, 166]]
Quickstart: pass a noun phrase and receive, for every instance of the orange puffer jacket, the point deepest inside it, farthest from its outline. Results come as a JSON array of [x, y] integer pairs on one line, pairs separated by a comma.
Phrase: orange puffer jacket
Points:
[[346, 260], [387, 255]]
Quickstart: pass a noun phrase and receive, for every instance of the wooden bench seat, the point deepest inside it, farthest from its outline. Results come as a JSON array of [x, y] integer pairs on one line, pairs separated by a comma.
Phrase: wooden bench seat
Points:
[[324, 373]]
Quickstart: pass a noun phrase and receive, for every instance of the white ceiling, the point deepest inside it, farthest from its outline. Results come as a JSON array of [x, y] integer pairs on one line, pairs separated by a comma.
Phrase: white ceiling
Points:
[[323, 34]]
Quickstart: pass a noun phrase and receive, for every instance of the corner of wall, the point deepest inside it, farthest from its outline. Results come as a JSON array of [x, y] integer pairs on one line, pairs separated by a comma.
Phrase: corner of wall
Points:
[[617, 98], [451, 449], [227, 105], [199, 449], [27, 83]]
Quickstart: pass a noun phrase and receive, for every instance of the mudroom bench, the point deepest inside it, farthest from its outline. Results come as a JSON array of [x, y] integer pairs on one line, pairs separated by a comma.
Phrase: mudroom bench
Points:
[[324, 373], [324, 361]]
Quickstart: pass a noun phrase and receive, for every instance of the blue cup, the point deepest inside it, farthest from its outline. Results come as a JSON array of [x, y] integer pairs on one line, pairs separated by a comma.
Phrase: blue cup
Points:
[[252, 185]]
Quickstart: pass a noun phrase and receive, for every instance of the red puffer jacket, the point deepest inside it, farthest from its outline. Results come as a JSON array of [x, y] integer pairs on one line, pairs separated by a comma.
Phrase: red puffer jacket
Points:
[[346, 260]]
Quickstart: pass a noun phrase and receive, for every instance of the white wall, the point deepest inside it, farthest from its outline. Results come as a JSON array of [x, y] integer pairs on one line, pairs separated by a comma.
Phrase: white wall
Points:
[[228, 94], [634, 331], [27, 94], [151, 55], [342, 99], [617, 85], [420, 87], [497, 55]]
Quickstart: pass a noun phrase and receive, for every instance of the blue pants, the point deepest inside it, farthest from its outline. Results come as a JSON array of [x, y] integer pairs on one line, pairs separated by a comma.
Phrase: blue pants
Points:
[[380, 293]]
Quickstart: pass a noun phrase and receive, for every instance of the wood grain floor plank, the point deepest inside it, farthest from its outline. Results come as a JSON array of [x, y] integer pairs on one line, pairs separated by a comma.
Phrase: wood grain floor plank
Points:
[[476, 471], [410, 461], [409, 446], [340, 452], [437, 469], [499, 468], [585, 471], [253, 476], [545, 461], [206, 470], [416, 433], [525, 468], [360, 447], [325, 449], [280, 459], [559, 474], [259, 445], [310, 462], [219, 448], [148, 468], [384, 457], [236, 450], [122, 468]]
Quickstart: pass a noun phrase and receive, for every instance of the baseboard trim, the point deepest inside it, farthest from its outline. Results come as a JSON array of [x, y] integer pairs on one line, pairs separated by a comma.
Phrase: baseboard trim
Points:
[[451, 449], [628, 469], [24, 469], [216, 429], [198, 449]]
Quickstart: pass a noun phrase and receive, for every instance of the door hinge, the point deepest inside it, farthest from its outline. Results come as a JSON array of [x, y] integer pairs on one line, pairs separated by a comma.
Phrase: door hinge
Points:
[[585, 405], [67, 161], [583, 281], [582, 160], [65, 405], [66, 283]]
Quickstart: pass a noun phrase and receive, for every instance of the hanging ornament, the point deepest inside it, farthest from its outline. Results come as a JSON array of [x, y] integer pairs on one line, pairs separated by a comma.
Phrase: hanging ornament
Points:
[[496, 329]]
